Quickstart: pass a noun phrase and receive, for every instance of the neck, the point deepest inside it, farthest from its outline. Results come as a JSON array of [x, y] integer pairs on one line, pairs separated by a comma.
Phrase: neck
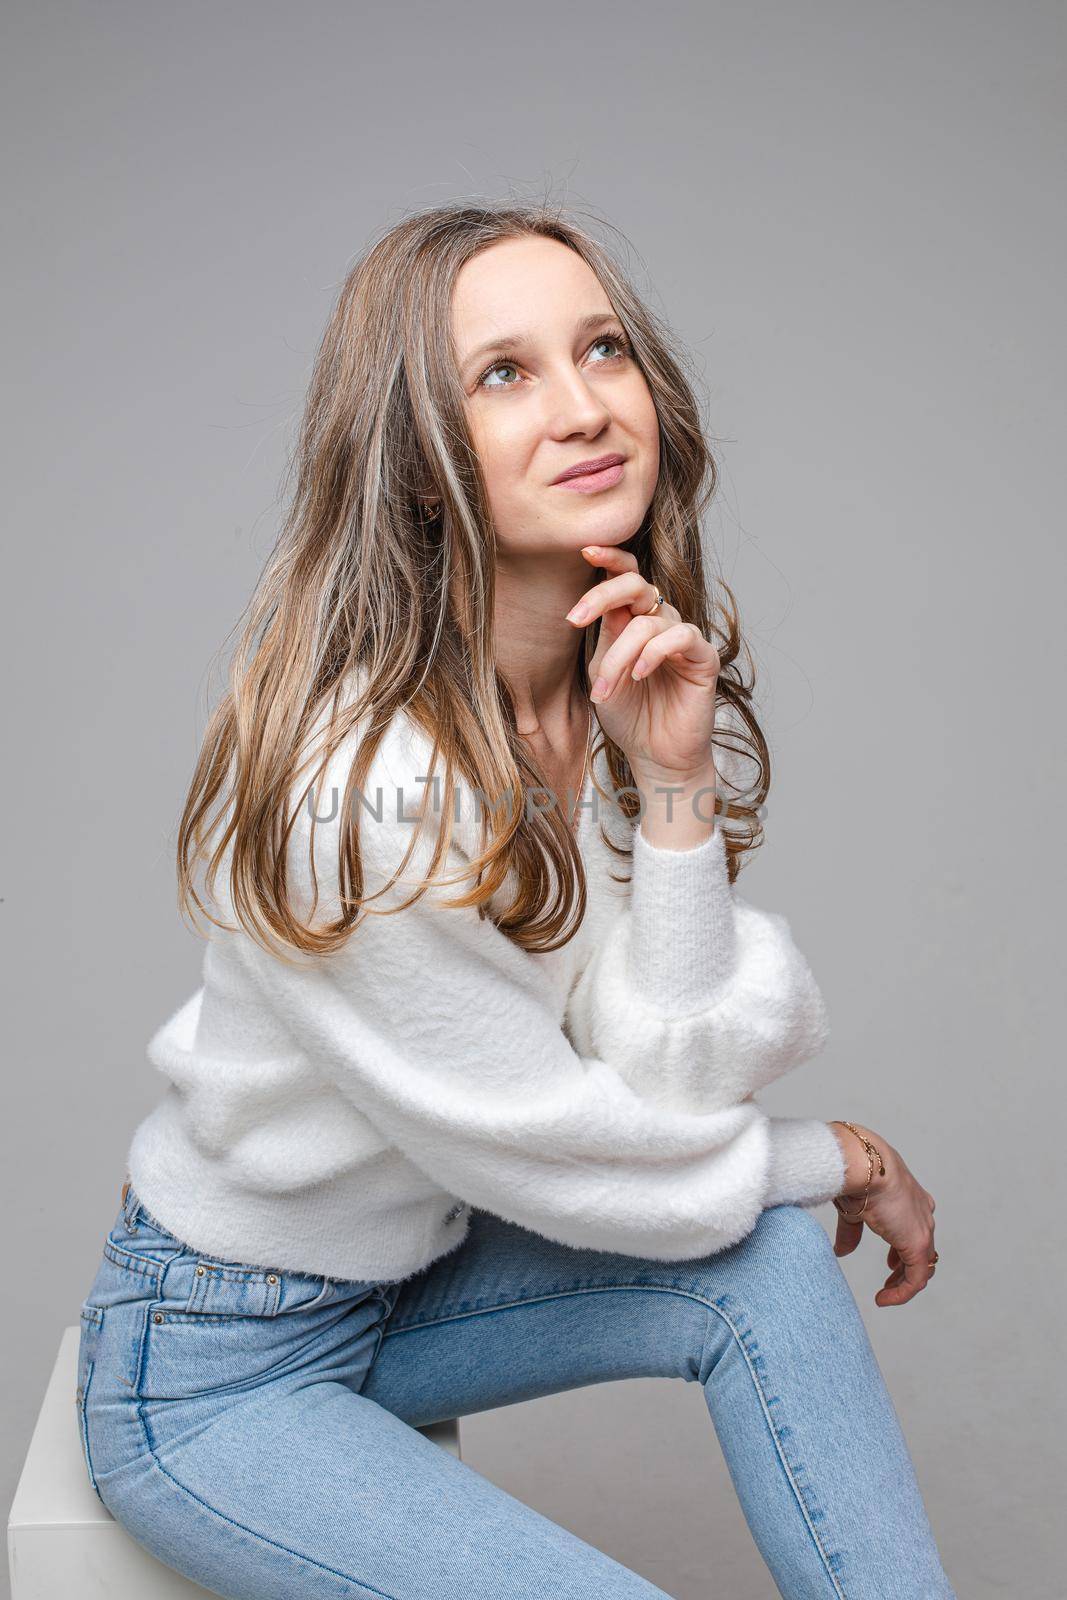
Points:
[[537, 649]]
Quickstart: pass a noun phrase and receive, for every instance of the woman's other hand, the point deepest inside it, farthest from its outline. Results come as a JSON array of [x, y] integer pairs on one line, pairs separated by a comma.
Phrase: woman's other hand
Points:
[[663, 718], [899, 1210]]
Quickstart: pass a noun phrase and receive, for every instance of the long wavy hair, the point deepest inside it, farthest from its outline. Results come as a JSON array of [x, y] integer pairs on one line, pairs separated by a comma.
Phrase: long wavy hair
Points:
[[363, 581]]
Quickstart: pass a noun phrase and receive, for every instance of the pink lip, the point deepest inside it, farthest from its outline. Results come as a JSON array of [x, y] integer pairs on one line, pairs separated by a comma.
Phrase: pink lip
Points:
[[590, 468], [591, 482]]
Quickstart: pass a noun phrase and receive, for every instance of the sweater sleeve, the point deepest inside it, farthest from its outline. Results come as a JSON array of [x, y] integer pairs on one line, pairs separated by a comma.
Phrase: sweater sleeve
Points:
[[446, 1035], [696, 997]]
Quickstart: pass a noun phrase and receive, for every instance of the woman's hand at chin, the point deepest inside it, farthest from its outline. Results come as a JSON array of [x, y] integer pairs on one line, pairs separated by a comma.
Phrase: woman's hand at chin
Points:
[[899, 1210], [665, 717]]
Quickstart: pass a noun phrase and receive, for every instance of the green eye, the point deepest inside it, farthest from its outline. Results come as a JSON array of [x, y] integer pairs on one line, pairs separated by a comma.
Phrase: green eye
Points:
[[506, 362]]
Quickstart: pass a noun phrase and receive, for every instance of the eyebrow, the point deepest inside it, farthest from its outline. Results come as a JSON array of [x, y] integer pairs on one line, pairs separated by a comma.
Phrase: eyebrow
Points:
[[517, 340]]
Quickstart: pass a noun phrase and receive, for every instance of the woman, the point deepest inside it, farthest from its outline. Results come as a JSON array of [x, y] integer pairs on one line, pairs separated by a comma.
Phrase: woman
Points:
[[462, 1113]]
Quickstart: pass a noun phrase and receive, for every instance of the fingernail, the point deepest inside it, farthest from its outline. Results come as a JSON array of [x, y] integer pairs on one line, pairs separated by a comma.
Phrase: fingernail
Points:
[[579, 614], [600, 689]]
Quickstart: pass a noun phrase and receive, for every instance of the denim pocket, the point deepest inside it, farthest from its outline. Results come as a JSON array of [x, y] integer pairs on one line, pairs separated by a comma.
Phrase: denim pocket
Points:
[[92, 1319], [238, 1327], [210, 1324]]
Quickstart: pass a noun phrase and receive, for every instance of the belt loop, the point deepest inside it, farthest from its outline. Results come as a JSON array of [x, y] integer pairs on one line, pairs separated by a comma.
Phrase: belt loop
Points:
[[129, 1203]]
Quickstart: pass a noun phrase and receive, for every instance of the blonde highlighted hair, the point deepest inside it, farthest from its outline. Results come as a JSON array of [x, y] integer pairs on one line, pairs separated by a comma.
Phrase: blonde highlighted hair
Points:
[[362, 581]]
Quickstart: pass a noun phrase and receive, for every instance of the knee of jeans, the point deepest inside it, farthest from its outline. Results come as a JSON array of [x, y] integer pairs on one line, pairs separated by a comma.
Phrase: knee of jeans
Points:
[[794, 1235]]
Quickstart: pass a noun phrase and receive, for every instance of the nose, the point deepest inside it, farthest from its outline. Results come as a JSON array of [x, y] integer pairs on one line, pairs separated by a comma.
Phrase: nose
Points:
[[574, 407]]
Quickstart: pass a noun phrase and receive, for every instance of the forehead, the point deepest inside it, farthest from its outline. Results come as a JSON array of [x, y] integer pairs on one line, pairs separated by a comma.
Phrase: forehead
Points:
[[534, 282]]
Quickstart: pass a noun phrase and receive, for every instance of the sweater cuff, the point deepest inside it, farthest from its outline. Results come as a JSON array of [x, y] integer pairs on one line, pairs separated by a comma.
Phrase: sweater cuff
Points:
[[807, 1164], [683, 943]]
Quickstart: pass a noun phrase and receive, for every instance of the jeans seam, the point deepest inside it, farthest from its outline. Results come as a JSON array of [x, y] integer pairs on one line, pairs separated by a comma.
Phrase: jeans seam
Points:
[[83, 1417], [535, 1299], [261, 1538], [689, 1294], [275, 1544]]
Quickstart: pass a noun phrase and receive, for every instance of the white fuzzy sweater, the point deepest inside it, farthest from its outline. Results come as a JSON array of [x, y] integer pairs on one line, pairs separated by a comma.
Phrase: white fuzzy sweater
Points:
[[340, 1117]]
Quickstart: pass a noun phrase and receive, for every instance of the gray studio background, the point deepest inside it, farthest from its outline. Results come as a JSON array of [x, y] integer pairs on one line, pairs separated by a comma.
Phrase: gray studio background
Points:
[[853, 215]]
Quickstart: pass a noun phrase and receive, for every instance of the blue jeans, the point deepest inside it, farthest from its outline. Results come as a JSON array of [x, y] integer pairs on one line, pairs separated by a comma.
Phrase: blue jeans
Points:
[[256, 1429]]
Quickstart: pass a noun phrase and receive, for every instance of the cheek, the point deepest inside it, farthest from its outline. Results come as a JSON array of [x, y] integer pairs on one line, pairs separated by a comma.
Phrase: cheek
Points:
[[644, 425], [653, 457], [502, 451]]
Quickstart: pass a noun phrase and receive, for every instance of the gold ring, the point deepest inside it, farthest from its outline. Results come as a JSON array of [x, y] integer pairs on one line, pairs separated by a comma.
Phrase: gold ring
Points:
[[661, 600]]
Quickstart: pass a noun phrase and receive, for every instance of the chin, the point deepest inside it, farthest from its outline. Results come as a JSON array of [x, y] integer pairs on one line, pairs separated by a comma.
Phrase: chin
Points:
[[610, 527]]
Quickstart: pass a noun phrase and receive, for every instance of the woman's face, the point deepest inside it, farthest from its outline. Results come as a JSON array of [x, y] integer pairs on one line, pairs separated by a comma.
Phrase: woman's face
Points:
[[548, 385]]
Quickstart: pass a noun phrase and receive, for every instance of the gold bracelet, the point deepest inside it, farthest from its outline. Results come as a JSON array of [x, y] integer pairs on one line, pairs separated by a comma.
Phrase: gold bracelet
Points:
[[872, 1150], [869, 1147]]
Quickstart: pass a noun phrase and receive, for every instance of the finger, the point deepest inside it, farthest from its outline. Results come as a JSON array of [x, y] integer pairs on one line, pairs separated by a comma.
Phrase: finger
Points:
[[907, 1282], [610, 557], [628, 589], [621, 654], [894, 1292], [682, 639], [909, 1278], [848, 1237]]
